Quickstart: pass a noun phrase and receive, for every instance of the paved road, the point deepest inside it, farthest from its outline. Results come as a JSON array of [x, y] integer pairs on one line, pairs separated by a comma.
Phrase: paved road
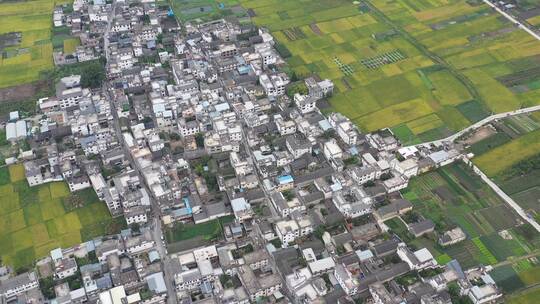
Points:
[[478, 125], [514, 20], [110, 19], [155, 226], [275, 214], [504, 196]]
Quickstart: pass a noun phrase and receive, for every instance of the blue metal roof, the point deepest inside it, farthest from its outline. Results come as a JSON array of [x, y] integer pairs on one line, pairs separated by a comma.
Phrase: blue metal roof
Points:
[[285, 179], [325, 125]]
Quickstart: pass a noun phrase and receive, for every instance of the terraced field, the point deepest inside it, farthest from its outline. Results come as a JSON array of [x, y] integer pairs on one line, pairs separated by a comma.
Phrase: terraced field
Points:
[[424, 68]]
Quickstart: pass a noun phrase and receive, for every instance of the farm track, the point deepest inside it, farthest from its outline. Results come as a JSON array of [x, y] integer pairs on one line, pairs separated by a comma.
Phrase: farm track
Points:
[[514, 260]]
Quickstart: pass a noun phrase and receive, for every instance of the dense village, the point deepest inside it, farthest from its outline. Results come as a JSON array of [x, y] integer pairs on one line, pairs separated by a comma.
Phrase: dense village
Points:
[[202, 126]]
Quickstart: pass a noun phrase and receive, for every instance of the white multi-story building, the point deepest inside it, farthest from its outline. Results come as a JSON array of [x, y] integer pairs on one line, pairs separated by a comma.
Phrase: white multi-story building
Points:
[[285, 127], [345, 278], [188, 128], [274, 85], [306, 103], [136, 215], [331, 150], [344, 128], [417, 260], [64, 268], [289, 230], [408, 167], [18, 285], [352, 202]]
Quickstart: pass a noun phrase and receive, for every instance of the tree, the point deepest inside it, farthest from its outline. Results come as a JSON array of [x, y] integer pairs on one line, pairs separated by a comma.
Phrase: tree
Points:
[[175, 136], [324, 212], [92, 75], [369, 183], [294, 77], [297, 87], [386, 176], [276, 242], [453, 290], [319, 231], [136, 228], [47, 287], [330, 133], [353, 160], [288, 195], [145, 19], [199, 139]]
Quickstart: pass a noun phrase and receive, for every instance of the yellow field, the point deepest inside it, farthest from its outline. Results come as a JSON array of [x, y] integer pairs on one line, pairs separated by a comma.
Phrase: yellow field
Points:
[[34, 19], [534, 20], [394, 115], [71, 44], [503, 157]]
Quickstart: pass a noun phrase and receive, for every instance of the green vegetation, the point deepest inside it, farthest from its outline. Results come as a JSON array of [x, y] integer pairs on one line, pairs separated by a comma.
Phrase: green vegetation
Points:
[[210, 230], [92, 72], [519, 280], [205, 10], [504, 157], [24, 62], [424, 68], [297, 87], [528, 297], [472, 110], [524, 167], [489, 143], [34, 220], [92, 75], [70, 45], [454, 196], [202, 168], [511, 158], [456, 297]]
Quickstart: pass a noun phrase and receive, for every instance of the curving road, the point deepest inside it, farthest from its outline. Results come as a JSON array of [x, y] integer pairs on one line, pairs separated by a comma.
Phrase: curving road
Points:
[[477, 125]]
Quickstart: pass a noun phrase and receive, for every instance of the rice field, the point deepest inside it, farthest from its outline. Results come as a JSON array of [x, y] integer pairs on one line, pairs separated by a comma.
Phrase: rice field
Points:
[[34, 220], [444, 58], [25, 62], [203, 10], [504, 156]]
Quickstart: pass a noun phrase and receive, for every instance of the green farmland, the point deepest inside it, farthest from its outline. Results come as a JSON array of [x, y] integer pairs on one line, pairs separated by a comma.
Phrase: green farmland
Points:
[[503, 157], [511, 157], [424, 68], [182, 236], [26, 61], [519, 280], [454, 196], [205, 10], [528, 297], [38, 219]]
